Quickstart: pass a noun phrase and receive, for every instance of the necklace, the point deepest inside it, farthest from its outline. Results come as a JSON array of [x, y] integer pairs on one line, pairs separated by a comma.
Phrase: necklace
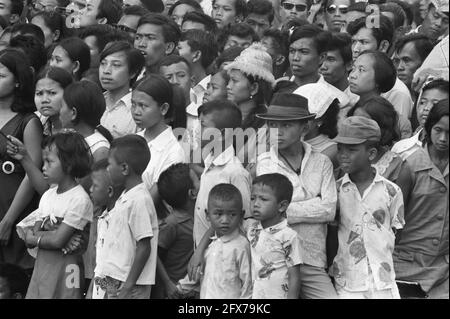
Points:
[[297, 171]]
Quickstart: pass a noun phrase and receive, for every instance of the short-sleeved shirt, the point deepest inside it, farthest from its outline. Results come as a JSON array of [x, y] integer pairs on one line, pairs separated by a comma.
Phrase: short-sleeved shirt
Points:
[[225, 168], [274, 250], [313, 202], [96, 141], [164, 152], [117, 117], [400, 98], [133, 218], [175, 236], [366, 238], [227, 273]]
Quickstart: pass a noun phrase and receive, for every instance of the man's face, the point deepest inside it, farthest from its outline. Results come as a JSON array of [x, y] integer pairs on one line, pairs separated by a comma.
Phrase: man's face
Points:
[[291, 9], [304, 58], [224, 12], [5, 9], [333, 67], [259, 23], [363, 40], [150, 41], [335, 14], [409, 62], [87, 11], [178, 74], [435, 23], [129, 24]]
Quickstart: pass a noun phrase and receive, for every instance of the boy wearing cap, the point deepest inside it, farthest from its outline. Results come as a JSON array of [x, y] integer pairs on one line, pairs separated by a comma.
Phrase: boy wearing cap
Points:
[[370, 209], [314, 198]]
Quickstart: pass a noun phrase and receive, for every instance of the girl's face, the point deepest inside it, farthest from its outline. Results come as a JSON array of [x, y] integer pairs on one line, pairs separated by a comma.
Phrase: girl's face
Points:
[[289, 132], [113, 72], [145, 110], [52, 169], [48, 33], [48, 97], [216, 89], [362, 77], [439, 135], [7, 82], [66, 115], [238, 88], [428, 99], [61, 59]]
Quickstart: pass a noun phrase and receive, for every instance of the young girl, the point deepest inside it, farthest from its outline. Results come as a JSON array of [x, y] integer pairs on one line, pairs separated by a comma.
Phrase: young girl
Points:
[[52, 24], [48, 96], [421, 255], [73, 55], [17, 121], [63, 209], [119, 67]]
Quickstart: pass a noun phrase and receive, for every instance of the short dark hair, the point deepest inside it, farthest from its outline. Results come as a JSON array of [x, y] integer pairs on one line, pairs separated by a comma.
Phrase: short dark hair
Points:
[[384, 113], [226, 193], [133, 150], [53, 20], [320, 38], [385, 72], [240, 6], [192, 3], [204, 42], [199, 17], [59, 75], [170, 30], [153, 5], [226, 114], [111, 10], [397, 11], [136, 11], [280, 185], [173, 59], [28, 29], [16, 7], [261, 7], [384, 32], [73, 152], [280, 38], [174, 185], [77, 50], [358, 6], [407, 9], [33, 49], [101, 32], [341, 42], [16, 278], [422, 44], [329, 120], [135, 59], [228, 55], [100, 165], [242, 30], [438, 111]]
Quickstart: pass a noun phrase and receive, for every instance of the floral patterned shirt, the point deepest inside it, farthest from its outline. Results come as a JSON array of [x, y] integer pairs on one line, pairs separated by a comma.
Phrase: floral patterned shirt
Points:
[[366, 238], [274, 250]]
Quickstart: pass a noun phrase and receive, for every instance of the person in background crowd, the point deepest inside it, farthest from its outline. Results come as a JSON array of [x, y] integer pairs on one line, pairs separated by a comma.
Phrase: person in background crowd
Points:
[[260, 15], [52, 25], [198, 20], [276, 43], [179, 9], [226, 12], [130, 19], [336, 14]]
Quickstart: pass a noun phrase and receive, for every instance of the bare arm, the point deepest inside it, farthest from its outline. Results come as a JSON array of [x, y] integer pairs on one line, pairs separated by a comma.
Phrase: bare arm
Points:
[[294, 282], [51, 240]]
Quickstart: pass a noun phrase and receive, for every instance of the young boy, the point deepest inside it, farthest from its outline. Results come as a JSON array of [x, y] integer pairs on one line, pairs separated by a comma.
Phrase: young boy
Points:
[[227, 273], [178, 188], [128, 233], [275, 247], [226, 12], [311, 174], [369, 207]]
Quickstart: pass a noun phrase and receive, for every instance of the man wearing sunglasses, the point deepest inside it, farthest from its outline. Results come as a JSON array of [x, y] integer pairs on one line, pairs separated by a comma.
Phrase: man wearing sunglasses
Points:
[[291, 9], [336, 14]]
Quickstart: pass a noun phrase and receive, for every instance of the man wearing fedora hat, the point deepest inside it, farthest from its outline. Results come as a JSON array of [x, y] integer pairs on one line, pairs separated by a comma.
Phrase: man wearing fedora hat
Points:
[[314, 199]]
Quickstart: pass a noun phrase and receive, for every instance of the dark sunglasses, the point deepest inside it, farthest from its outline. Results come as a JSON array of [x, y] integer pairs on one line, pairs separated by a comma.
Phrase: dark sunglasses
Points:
[[332, 9], [124, 28], [290, 6]]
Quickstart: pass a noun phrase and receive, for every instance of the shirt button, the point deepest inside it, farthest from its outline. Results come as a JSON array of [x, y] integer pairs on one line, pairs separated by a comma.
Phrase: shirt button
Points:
[[435, 242], [443, 189]]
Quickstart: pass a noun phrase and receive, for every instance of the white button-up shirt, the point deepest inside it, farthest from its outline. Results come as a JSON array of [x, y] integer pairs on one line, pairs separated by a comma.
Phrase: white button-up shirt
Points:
[[117, 117]]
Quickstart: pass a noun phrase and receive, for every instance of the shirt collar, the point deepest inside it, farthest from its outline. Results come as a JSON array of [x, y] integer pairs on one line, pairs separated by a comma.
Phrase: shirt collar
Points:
[[224, 158], [307, 153], [227, 238], [161, 142], [125, 100], [346, 179], [127, 194]]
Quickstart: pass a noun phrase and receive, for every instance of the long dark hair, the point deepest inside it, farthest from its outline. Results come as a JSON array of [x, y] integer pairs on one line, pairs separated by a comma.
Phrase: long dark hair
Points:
[[438, 111]]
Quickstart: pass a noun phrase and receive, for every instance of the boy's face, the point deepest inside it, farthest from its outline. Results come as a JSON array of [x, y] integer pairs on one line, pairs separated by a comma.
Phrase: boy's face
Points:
[[115, 169], [289, 132], [225, 216], [52, 169], [208, 128], [224, 12], [113, 71], [354, 157], [333, 67], [178, 74], [363, 40], [100, 188], [264, 204], [150, 41], [304, 58]]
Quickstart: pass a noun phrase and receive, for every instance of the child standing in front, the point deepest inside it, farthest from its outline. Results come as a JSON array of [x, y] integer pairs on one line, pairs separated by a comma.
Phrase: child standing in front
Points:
[[275, 247], [227, 273], [129, 232], [370, 207], [63, 209]]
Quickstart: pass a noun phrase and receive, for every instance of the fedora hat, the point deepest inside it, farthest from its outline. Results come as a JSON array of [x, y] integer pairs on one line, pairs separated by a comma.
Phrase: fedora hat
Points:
[[287, 107]]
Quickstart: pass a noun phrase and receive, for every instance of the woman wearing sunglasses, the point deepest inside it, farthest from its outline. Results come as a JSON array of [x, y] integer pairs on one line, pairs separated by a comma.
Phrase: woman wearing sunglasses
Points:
[[335, 14]]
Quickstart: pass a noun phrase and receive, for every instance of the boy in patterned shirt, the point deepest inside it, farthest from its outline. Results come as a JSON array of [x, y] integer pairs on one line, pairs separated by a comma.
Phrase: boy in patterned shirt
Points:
[[370, 210]]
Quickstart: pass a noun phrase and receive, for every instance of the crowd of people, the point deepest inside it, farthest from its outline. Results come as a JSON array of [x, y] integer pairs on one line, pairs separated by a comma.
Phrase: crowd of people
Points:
[[216, 149]]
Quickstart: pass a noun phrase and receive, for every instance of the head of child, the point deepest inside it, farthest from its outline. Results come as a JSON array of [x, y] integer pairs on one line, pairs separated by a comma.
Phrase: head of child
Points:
[[66, 157], [270, 198], [436, 128], [358, 140], [120, 65], [73, 55], [288, 113], [103, 192], [216, 89], [225, 209], [178, 187], [13, 282], [151, 102], [177, 70], [373, 73], [432, 93], [128, 158], [217, 120], [50, 85]]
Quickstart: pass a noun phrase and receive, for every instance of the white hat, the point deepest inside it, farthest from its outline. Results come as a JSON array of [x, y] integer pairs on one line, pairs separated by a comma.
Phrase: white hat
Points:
[[254, 61], [319, 96]]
